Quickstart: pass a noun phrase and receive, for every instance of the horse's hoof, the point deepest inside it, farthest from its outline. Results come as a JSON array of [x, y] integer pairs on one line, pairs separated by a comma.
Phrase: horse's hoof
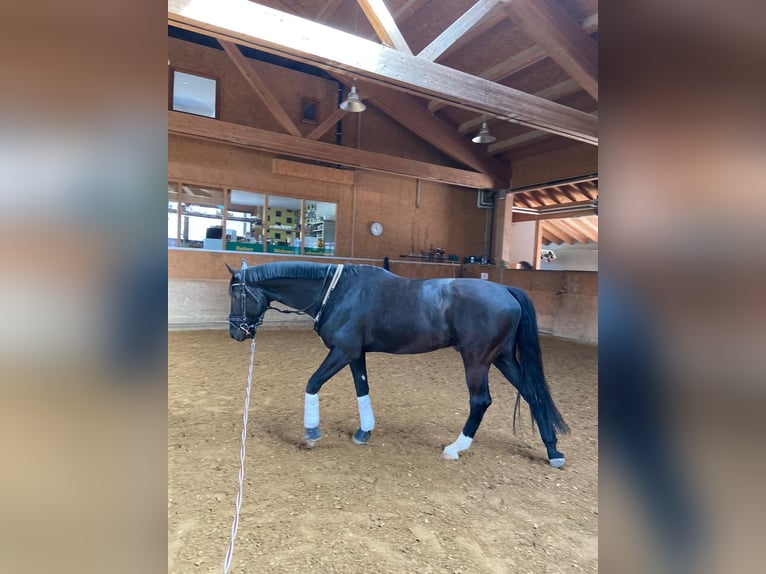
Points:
[[446, 456], [361, 437], [311, 437], [556, 462]]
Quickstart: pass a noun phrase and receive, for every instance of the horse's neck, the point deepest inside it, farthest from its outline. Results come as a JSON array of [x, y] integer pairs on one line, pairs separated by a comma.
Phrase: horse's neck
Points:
[[295, 293]]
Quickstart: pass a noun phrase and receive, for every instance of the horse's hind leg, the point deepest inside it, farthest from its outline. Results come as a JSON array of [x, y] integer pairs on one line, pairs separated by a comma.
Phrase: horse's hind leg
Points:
[[366, 418], [332, 363], [536, 398], [477, 378]]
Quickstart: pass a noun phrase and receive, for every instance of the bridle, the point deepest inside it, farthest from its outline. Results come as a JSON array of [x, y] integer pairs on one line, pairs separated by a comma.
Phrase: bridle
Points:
[[241, 322]]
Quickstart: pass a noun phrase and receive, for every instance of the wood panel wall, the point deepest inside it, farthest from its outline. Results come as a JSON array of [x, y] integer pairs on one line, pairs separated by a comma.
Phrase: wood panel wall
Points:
[[447, 216]]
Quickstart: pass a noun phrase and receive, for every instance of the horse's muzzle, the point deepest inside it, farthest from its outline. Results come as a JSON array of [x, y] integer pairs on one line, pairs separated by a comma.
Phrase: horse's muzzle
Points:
[[241, 330]]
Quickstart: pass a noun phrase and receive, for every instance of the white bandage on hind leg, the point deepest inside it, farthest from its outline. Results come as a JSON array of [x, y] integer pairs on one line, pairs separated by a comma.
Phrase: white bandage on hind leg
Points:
[[462, 443], [311, 411], [366, 418]]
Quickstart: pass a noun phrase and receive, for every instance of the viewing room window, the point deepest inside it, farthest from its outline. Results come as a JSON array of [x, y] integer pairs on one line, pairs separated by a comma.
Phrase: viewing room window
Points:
[[249, 221], [194, 94], [199, 222]]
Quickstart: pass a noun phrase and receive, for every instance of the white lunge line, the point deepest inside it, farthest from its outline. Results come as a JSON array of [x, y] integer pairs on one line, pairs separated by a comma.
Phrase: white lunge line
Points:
[[311, 411], [366, 418], [230, 551]]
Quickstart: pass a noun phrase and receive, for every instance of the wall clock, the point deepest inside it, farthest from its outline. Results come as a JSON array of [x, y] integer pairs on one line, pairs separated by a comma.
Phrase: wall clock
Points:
[[376, 229]]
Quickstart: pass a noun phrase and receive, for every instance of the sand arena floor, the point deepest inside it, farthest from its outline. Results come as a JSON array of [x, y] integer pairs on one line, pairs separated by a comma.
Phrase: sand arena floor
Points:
[[391, 506]]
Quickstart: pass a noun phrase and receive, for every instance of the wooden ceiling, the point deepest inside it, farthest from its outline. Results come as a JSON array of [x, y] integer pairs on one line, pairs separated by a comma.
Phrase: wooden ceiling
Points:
[[440, 68], [570, 230]]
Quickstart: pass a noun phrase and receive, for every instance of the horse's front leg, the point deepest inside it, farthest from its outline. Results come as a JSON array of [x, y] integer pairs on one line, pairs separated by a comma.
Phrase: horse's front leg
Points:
[[366, 418], [333, 362]]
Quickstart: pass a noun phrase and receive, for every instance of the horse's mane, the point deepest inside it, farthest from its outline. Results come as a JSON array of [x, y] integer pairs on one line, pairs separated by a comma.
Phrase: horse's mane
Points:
[[286, 270]]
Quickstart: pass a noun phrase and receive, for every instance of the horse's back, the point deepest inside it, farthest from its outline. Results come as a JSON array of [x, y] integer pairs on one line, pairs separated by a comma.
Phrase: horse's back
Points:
[[419, 315]]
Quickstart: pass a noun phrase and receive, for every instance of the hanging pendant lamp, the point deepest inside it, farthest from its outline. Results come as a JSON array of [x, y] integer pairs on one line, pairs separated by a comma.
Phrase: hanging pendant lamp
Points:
[[352, 102], [483, 136]]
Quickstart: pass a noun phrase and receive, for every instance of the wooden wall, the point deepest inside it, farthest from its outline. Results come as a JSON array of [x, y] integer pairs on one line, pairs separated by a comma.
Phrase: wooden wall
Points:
[[447, 216], [571, 159], [241, 105]]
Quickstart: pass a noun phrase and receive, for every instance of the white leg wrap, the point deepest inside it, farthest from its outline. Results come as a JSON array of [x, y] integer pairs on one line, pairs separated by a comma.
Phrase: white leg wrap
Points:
[[462, 443], [311, 411], [366, 418]]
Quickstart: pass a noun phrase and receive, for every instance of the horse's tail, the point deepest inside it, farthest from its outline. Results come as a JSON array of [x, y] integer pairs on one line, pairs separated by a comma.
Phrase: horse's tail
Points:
[[533, 385]]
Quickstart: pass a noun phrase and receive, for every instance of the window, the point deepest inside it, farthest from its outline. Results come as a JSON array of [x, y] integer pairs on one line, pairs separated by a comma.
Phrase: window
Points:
[[237, 220], [320, 228], [245, 214], [284, 229], [194, 94], [309, 110], [199, 222]]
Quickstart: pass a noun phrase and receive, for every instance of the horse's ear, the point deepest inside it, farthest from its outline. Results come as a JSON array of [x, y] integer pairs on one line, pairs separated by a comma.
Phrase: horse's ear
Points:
[[230, 269], [244, 265]]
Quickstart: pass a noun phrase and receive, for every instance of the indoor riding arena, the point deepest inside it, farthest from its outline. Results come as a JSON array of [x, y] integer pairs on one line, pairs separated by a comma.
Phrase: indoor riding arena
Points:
[[438, 140]]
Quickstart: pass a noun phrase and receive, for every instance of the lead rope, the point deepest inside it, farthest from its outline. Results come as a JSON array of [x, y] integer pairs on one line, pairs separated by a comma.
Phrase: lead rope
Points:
[[230, 551]]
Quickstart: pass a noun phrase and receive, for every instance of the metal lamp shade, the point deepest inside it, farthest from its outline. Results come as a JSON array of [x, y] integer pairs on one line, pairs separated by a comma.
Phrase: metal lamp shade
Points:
[[483, 136], [353, 103]]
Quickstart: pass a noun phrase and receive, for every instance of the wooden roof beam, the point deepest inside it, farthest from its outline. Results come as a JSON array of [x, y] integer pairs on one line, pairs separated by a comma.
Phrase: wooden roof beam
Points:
[[259, 87], [590, 221], [329, 122], [552, 93], [200, 127], [520, 61], [550, 26], [411, 114], [567, 226], [270, 30], [384, 24], [457, 30], [551, 231]]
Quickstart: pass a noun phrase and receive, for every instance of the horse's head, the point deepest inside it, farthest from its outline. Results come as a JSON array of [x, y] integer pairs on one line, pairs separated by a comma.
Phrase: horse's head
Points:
[[248, 305]]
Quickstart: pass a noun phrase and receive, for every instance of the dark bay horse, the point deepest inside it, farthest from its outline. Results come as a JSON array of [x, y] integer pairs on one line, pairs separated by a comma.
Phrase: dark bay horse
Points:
[[361, 309]]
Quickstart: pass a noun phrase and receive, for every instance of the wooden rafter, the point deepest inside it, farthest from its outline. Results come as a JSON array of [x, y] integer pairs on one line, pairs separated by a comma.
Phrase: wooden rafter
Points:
[[542, 196], [549, 25], [503, 145], [506, 144], [520, 61], [457, 30], [567, 226], [559, 236], [329, 122], [552, 93], [277, 32], [567, 193], [522, 201], [411, 114], [259, 87], [384, 24], [200, 127]]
